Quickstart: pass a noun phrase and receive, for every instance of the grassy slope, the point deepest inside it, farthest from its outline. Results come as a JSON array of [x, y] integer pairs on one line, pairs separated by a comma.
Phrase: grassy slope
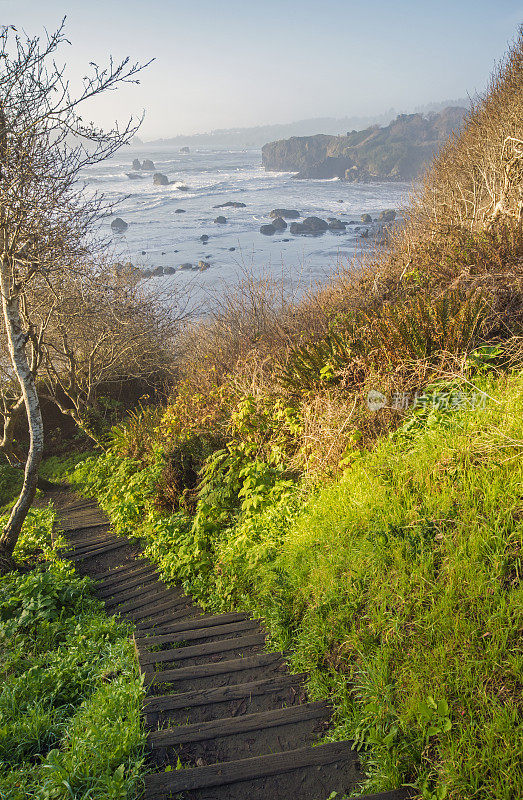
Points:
[[70, 695], [397, 585]]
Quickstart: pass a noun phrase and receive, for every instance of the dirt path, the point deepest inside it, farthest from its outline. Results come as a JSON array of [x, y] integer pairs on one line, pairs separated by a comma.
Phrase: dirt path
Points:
[[217, 701]]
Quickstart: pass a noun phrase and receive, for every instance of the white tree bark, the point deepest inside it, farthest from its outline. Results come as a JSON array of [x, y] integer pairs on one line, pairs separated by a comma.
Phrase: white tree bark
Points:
[[16, 341]]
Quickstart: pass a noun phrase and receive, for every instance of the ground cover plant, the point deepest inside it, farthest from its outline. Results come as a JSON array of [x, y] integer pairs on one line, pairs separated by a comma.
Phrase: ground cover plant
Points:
[[348, 467], [70, 694]]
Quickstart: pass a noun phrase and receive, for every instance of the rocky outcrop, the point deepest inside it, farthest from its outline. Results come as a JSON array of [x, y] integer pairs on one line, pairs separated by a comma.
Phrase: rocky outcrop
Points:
[[267, 230], [310, 226], [366, 219], [387, 216], [285, 213], [136, 163], [159, 179], [330, 167], [119, 225], [336, 224], [231, 204], [148, 165], [398, 151], [279, 224]]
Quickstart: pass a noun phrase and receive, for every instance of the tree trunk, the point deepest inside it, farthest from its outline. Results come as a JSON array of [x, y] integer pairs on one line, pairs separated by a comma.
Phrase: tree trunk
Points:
[[16, 341]]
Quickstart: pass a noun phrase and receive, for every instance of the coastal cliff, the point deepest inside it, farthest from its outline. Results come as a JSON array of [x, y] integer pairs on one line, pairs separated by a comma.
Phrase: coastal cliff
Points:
[[396, 152]]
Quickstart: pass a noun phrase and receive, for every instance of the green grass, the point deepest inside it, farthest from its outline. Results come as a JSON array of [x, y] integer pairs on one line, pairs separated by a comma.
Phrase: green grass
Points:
[[70, 693], [397, 586]]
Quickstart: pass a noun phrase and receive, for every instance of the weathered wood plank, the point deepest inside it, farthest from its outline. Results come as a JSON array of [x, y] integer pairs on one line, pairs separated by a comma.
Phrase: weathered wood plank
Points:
[[231, 726], [210, 648], [184, 780]]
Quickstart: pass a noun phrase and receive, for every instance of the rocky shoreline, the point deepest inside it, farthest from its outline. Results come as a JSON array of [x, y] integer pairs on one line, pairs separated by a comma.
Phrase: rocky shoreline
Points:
[[281, 220]]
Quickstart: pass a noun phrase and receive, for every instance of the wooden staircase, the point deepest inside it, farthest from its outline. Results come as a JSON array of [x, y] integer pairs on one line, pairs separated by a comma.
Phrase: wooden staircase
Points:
[[226, 720]]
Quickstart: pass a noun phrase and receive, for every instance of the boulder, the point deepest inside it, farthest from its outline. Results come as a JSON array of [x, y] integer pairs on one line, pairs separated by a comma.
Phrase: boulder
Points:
[[183, 188], [387, 216], [220, 220], [148, 165], [118, 225], [315, 224], [136, 164], [159, 179], [157, 271], [169, 270], [144, 253], [231, 204], [185, 150], [285, 240], [279, 223], [336, 224], [232, 249], [180, 211], [366, 219], [203, 265], [204, 238], [309, 226], [285, 213], [146, 273], [185, 266], [267, 230]]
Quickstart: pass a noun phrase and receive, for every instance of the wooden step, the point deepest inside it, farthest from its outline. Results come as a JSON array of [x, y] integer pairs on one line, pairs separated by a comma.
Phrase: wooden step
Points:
[[89, 527], [85, 548], [173, 616], [198, 650], [233, 669], [198, 622], [232, 726], [248, 769], [123, 573], [170, 702], [149, 576], [199, 633], [100, 551], [174, 606], [151, 595]]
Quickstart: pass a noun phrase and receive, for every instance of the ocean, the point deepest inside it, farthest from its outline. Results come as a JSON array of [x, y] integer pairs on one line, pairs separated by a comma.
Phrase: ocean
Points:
[[166, 222]]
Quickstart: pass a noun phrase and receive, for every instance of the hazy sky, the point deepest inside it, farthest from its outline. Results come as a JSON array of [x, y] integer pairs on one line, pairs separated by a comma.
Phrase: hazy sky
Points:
[[235, 63]]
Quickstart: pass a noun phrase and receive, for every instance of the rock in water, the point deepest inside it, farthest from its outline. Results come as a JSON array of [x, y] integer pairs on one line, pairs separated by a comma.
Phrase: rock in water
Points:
[[187, 265], [309, 226], [157, 271], [169, 270], [286, 213], [136, 164], [220, 220], [159, 179], [387, 216], [119, 225], [231, 204], [366, 219], [336, 224], [180, 211], [203, 265], [183, 188], [279, 223], [267, 230], [148, 165], [204, 238], [185, 150]]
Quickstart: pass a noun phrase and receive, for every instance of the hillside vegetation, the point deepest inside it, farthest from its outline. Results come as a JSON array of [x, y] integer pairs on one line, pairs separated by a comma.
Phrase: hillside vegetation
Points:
[[349, 468]]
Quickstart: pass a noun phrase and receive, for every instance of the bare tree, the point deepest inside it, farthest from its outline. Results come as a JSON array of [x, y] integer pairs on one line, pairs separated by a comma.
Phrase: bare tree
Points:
[[46, 220]]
